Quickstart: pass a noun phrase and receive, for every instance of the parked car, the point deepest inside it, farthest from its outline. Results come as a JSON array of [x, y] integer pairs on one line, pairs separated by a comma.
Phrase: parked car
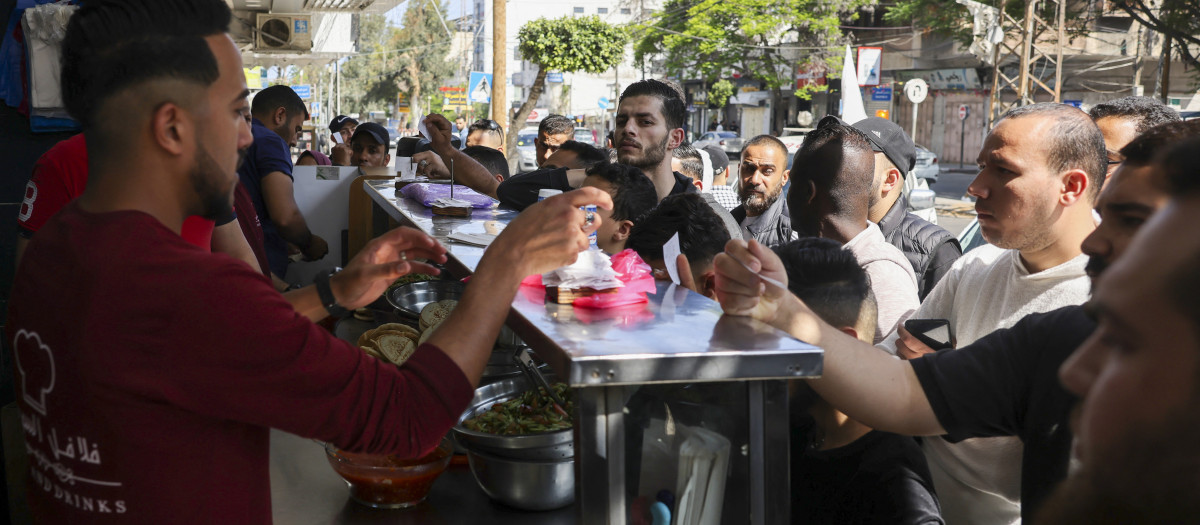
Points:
[[527, 152], [726, 140], [927, 166], [793, 138], [970, 237]]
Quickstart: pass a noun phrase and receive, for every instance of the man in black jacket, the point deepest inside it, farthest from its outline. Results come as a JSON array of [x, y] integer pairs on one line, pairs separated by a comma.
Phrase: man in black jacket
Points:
[[929, 247], [763, 214]]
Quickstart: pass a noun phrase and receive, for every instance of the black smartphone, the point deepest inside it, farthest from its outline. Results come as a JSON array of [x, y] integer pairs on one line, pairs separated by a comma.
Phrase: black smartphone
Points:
[[935, 333]]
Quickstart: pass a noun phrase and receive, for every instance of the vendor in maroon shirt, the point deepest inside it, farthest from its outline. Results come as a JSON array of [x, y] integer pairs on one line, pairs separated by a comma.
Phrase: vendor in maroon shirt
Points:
[[147, 396]]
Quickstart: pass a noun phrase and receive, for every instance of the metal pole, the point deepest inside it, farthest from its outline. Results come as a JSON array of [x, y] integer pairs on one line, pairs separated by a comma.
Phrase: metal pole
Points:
[[337, 75], [499, 62], [962, 142], [1166, 69], [916, 105]]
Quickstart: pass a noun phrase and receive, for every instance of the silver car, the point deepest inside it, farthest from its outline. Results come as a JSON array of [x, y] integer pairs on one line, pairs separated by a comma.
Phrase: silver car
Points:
[[726, 140], [526, 151], [927, 166]]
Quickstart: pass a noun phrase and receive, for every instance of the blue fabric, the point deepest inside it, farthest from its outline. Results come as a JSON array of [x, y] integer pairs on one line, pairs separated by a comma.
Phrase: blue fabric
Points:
[[12, 55], [39, 124], [269, 153]]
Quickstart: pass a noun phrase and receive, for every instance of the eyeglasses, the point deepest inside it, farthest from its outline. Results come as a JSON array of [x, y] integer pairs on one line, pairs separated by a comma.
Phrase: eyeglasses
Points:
[[487, 124]]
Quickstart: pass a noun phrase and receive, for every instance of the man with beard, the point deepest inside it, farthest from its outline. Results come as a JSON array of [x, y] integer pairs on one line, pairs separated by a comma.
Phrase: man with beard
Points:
[[171, 363], [1137, 375], [267, 175], [929, 247], [1005, 383], [829, 199], [763, 215], [650, 118]]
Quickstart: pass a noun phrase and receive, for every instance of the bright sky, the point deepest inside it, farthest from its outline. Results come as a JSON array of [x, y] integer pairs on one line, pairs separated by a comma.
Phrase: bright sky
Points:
[[396, 14]]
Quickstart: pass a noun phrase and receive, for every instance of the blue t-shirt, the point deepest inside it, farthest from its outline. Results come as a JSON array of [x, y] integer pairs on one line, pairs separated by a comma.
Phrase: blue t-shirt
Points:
[[269, 153]]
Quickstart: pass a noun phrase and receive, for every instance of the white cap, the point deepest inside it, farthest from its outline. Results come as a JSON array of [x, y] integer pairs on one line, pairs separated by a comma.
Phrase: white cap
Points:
[[547, 192]]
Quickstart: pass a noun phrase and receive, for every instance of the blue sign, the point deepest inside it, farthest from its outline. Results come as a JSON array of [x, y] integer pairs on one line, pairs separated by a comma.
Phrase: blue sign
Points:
[[1076, 103], [303, 91], [480, 87], [300, 27], [881, 94], [554, 77], [314, 109], [603, 102]]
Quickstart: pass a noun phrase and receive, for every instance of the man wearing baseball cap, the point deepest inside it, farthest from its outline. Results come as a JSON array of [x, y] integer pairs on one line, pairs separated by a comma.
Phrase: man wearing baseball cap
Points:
[[725, 194], [370, 144], [929, 247], [343, 126]]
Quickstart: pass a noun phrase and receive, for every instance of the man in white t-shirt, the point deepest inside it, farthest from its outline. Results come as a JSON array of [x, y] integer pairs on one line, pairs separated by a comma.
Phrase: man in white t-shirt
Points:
[[1040, 171], [830, 198]]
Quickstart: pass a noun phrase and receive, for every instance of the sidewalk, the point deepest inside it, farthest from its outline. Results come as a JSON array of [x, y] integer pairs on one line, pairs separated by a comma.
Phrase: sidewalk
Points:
[[954, 207]]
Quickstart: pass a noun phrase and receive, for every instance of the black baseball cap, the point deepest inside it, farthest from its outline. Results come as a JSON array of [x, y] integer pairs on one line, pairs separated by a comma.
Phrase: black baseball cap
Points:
[[718, 157], [377, 132], [336, 124], [888, 138]]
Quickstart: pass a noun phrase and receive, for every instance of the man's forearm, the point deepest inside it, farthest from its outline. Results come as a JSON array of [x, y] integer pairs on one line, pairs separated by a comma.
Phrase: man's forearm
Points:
[[860, 380], [469, 172], [469, 334], [295, 230]]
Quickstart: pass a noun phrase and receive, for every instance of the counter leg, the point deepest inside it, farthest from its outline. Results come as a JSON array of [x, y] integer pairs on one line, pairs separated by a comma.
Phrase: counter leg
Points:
[[770, 483], [600, 455]]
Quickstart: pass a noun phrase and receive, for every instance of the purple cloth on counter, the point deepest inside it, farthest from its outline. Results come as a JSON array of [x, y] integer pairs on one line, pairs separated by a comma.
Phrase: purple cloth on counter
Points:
[[426, 193]]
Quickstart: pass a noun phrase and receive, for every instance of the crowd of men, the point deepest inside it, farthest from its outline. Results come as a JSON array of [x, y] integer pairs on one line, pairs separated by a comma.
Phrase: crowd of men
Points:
[[1064, 394]]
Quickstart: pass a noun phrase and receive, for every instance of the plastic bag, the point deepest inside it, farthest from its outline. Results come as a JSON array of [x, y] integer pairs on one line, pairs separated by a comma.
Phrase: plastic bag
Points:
[[427, 193]]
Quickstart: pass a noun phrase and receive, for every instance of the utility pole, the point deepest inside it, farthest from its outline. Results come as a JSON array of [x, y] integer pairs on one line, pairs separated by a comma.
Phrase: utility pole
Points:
[[499, 61], [1165, 81], [1027, 52]]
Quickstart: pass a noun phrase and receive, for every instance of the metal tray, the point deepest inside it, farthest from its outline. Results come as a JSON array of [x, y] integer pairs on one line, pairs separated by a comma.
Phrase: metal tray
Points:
[[409, 299]]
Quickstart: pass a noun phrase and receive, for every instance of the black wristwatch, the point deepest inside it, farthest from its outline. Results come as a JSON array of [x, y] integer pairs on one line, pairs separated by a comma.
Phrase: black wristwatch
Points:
[[325, 292]]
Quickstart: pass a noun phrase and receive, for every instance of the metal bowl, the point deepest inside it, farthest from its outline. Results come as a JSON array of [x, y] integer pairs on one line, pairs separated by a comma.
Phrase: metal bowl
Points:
[[548, 446], [409, 299], [525, 484]]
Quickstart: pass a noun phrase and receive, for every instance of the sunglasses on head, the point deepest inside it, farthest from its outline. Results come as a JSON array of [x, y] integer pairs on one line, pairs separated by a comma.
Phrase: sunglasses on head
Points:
[[488, 123]]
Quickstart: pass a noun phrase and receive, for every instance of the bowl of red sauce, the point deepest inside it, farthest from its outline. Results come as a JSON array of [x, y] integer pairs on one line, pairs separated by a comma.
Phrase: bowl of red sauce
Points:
[[390, 481]]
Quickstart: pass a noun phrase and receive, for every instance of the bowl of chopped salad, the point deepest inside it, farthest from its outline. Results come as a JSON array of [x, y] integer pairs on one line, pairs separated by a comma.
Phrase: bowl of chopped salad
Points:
[[520, 444], [511, 420]]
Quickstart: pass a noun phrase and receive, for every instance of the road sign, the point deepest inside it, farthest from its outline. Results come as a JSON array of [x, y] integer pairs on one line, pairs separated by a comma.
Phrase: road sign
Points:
[[480, 87], [603, 102], [963, 111], [870, 62], [555, 77], [314, 109], [304, 91], [916, 90], [881, 94], [455, 101]]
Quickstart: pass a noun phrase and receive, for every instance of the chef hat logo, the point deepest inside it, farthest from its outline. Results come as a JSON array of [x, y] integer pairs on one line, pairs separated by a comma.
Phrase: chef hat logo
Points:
[[35, 364]]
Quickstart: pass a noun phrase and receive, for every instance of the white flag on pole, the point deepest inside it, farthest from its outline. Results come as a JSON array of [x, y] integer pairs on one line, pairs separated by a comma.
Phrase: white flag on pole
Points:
[[852, 103]]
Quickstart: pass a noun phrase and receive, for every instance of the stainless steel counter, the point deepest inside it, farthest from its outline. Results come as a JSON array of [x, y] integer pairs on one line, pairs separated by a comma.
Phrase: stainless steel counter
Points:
[[609, 355], [678, 336]]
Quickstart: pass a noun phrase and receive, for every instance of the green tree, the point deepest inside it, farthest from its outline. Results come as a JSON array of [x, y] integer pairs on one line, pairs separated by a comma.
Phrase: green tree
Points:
[[567, 44], [1178, 20], [760, 39], [954, 20], [415, 62]]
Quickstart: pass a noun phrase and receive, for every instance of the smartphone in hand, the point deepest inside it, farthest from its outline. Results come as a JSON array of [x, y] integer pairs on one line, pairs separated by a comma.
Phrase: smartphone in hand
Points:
[[935, 333], [337, 138]]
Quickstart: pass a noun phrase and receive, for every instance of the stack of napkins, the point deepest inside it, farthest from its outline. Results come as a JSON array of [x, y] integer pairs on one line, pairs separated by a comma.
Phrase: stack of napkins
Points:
[[447, 202], [591, 270], [703, 467]]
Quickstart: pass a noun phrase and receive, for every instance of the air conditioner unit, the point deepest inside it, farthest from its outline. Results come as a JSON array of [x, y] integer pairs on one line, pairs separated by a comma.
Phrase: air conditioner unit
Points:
[[276, 32]]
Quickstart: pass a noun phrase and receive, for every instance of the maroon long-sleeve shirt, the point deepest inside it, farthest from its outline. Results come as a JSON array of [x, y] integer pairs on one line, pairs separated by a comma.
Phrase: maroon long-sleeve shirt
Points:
[[149, 373]]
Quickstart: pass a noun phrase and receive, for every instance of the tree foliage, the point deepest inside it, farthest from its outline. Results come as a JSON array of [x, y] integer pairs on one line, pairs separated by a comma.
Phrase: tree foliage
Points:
[[951, 19], [567, 44], [765, 40], [410, 59], [1176, 19]]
